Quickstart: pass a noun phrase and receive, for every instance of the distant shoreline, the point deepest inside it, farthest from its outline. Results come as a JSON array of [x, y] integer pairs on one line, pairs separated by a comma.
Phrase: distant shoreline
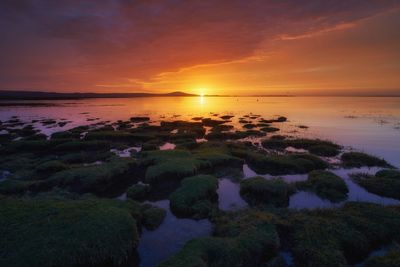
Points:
[[38, 95]]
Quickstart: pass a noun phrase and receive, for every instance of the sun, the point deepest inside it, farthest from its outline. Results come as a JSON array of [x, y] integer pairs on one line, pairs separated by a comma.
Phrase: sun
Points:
[[202, 92]]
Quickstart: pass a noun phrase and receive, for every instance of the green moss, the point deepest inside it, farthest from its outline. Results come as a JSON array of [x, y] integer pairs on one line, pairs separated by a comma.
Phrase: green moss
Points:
[[269, 129], [282, 164], [222, 128], [196, 197], [177, 164], [324, 150], [96, 179], [249, 126], [138, 191], [278, 261], [81, 145], [119, 136], [314, 146], [170, 164], [45, 232], [50, 167], [326, 185], [384, 183], [227, 117], [258, 190], [358, 159], [139, 119], [13, 186], [217, 157], [391, 259], [34, 146], [152, 217], [211, 123], [85, 157], [388, 174], [255, 242], [335, 237]]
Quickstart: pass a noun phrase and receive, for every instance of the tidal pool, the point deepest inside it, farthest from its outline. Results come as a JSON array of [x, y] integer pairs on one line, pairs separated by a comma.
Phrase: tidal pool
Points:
[[158, 245]]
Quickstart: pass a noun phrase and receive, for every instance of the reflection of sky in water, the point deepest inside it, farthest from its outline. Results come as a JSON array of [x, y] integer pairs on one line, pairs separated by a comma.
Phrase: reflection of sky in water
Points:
[[309, 200], [356, 121], [158, 245]]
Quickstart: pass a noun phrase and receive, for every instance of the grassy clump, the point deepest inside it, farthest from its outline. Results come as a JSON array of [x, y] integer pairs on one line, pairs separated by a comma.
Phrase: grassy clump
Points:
[[13, 186], [358, 159], [170, 165], [211, 123], [139, 119], [96, 179], [234, 135], [281, 164], [249, 126], [82, 145], [152, 216], [384, 183], [50, 167], [48, 232], [82, 157], [238, 241], [118, 136], [391, 259], [177, 164], [314, 146], [138, 191], [326, 185], [335, 237], [258, 190], [269, 129], [196, 197]]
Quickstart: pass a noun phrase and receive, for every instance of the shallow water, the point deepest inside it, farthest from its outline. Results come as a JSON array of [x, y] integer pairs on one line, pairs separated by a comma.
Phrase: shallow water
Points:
[[370, 124], [229, 196], [309, 200], [158, 245]]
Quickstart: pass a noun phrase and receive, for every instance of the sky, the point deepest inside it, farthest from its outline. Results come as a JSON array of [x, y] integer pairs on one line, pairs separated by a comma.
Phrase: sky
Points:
[[230, 47]]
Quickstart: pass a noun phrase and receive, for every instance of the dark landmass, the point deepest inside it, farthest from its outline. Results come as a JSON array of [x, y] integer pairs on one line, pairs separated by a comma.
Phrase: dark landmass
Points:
[[37, 95]]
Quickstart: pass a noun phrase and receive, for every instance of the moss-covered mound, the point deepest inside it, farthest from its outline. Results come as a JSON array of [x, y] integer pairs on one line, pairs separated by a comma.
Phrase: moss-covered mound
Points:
[[196, 197], [269, 129], [152, 216], [384, 183], [238, 241], [177, 164], [138, 191], [258, 190], [358, 159], [170, 165], [47, 232], [326, 185], [281, 164], [314, 146], [391, 259], [337, 237], [95, 179]]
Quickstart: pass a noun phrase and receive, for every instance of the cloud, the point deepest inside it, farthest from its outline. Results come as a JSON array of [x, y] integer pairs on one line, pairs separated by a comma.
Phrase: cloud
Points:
[[78, 44]]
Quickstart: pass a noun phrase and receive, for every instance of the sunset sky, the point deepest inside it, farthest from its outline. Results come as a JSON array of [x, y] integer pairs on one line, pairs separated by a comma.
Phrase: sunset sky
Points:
[[239, 47]]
